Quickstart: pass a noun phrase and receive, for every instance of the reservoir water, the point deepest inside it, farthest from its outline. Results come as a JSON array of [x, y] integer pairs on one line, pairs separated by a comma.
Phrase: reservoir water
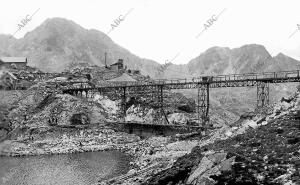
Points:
[[65, 169]]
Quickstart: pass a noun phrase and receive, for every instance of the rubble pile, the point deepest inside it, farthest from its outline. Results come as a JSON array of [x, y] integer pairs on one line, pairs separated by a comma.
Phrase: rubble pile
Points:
[[138, 113], [261, 148], [142, 114], [177, 102], [111, 107], [150, 157], [40, 108], [178, 118], [67, 110]]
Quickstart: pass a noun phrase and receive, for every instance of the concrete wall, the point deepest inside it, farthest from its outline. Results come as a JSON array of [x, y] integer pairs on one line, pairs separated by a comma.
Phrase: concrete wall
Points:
[[148, 130]]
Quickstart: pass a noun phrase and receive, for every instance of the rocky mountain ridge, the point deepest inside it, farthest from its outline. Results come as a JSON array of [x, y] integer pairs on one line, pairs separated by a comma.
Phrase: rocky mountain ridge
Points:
[[222, 60], [58, 43]]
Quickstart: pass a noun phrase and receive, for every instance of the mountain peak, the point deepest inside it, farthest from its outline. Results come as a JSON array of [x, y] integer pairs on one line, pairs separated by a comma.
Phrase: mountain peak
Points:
[[216, 49], [281, 55], [253, 46], [58, 20], [284, 57], [60, 25]]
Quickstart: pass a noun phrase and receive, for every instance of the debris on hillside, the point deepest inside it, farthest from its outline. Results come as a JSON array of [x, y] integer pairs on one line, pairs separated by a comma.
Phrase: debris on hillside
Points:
[[177, 108], [259, 149], [178, 118], [138, 113], [111, 107], [43, 107]]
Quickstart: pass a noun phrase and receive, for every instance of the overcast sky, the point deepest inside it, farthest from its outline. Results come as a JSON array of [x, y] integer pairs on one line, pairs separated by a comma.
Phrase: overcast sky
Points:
[[163, 30]]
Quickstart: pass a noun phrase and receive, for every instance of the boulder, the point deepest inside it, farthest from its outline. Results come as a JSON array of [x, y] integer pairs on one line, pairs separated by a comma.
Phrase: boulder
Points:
[[204, 165], [138, 113], [210, 165], [109, 105], [178, 118]]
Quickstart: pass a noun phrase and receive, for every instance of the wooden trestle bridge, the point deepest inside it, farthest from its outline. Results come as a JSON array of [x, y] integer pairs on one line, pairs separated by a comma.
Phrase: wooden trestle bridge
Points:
[[154, 91]]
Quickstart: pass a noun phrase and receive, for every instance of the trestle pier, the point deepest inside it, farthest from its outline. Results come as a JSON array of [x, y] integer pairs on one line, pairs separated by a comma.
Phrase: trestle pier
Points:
[[155, 90]]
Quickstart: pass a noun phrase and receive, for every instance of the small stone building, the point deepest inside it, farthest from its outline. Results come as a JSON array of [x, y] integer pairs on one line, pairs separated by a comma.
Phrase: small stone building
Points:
[[118, 65], [9, 62]]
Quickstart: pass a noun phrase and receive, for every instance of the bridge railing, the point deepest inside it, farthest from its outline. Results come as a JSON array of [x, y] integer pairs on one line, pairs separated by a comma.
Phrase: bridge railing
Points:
[[255, 76], [230, 77], [200, 79]]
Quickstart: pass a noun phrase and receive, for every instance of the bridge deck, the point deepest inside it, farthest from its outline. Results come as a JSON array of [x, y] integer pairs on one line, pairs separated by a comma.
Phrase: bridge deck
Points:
[[232, 80]]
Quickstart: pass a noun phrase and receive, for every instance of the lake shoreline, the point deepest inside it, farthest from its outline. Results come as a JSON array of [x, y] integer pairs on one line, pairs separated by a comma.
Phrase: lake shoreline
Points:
[[144, 153], [76, 168], [79, 141]]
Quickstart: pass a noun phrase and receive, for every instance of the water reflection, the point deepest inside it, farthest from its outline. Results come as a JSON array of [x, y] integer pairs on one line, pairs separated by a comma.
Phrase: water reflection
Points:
[[75, 169]]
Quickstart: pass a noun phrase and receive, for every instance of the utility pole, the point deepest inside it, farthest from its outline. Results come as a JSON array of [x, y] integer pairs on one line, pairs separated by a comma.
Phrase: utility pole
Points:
[[105, 59]]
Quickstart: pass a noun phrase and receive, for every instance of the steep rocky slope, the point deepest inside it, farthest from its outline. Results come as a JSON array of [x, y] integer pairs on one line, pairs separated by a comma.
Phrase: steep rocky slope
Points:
[[43, 106], [261, 148], [44, 121]]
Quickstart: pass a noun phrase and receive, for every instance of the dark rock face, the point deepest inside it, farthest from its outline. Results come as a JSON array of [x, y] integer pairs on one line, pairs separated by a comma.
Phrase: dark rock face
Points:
[[186, 108], [263, 154], [79, 119], [288, 100], [180, 102], [239, 174], [293, 141], [45, 102], [248, 115], [179, 172]]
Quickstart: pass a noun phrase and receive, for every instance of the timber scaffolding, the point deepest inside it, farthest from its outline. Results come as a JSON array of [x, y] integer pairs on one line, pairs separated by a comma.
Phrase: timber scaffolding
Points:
[[156, 89]]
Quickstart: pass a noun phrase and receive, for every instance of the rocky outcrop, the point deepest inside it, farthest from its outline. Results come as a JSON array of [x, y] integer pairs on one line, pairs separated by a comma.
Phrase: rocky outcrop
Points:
[[43, 107], [211, 164], [178, 118], [178, 102], [111, 107], [138, 113], [57, 110]]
